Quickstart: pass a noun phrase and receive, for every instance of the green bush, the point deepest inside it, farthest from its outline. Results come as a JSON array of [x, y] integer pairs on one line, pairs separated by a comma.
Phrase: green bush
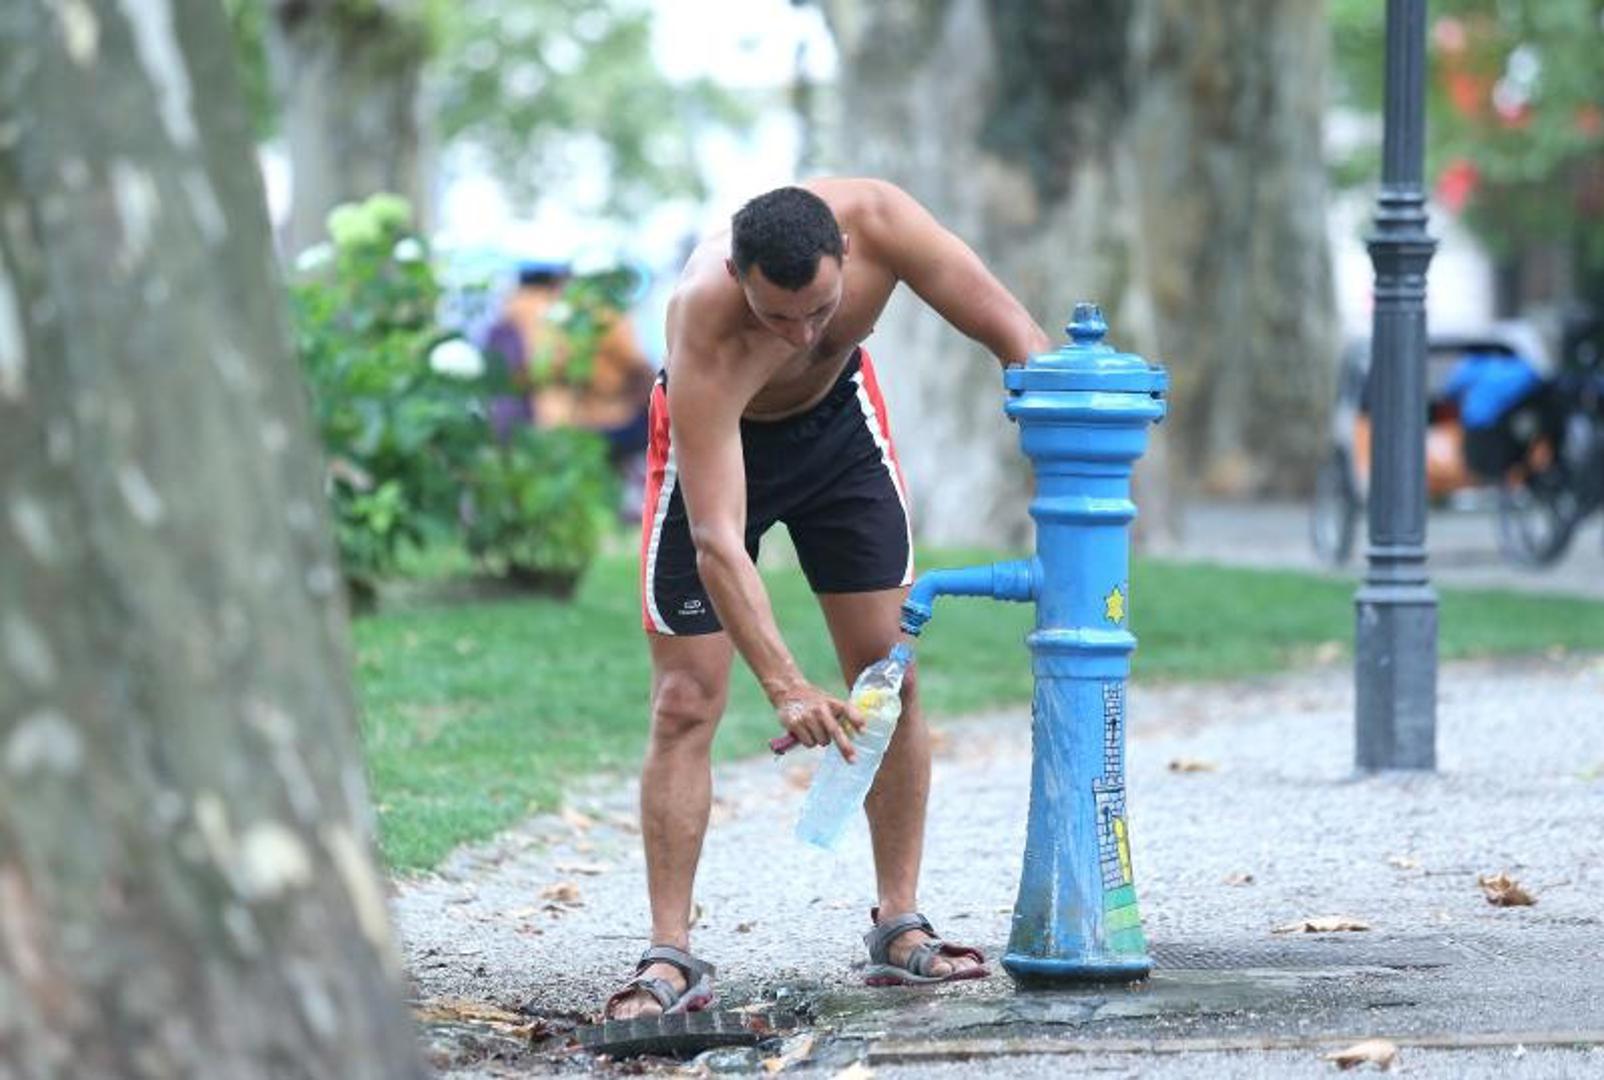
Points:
[[399, 405], [538, 505]]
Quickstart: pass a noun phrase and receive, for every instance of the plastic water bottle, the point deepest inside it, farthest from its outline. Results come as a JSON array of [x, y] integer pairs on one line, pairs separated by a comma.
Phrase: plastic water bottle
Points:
[[838, 789]]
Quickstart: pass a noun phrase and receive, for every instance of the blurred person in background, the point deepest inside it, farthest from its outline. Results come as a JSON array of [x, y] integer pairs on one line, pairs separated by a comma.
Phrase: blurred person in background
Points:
[[609, 399]]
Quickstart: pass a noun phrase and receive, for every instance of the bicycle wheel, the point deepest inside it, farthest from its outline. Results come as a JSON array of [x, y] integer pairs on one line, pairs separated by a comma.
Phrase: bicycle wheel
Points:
[[1536, 519], [1334, 513]]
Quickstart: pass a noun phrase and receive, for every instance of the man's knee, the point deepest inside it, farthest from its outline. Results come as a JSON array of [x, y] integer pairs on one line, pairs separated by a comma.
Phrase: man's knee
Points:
[[685, 708]]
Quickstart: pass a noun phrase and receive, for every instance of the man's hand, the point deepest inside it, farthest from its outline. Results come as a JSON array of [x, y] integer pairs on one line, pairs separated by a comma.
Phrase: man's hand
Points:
[[814, 718]]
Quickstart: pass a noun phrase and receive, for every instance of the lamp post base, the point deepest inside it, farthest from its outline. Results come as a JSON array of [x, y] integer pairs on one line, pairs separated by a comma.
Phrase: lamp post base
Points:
[[1046, 973]]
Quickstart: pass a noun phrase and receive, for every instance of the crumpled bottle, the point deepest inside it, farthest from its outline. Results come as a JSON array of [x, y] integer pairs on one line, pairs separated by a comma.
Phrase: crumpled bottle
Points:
[[838, 789]]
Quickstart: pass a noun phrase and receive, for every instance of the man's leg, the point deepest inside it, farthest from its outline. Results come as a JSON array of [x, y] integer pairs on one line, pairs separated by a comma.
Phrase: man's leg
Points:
[[864, 629], [690, 683]]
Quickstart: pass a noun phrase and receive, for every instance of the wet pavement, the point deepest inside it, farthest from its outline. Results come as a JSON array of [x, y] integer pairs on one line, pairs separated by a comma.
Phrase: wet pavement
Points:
[[1245, 816]]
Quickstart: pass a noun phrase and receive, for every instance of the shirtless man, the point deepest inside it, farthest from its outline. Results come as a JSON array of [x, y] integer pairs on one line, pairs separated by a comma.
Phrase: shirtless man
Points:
[[768, 410]]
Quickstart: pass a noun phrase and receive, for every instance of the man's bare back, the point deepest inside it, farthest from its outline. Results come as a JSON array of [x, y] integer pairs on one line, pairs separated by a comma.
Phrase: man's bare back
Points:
[[711, 315]]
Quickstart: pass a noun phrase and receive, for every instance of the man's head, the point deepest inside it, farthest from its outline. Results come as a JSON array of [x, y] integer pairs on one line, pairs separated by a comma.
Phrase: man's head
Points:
[[787, 252]]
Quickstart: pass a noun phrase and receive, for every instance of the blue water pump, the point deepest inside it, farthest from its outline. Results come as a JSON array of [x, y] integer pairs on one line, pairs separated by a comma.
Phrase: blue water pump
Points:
[[1083, 412]]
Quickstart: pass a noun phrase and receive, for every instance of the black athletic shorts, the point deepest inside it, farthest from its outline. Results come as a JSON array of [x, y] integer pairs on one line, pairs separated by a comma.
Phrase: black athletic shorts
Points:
[[830, 474]]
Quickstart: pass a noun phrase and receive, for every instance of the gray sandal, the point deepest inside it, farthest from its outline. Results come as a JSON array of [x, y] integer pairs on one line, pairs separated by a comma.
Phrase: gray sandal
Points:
[[698, 992], [916, 972]]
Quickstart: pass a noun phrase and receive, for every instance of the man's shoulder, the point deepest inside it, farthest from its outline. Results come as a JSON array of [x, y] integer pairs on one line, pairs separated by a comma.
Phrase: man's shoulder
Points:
[[855, 197]]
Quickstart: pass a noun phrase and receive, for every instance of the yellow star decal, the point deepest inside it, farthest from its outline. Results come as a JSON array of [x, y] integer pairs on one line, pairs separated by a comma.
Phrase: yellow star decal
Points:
[[1114, 606]]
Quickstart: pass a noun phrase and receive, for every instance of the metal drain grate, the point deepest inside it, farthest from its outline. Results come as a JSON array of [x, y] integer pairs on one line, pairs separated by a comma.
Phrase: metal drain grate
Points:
[[1302, 954], [684, 1034]]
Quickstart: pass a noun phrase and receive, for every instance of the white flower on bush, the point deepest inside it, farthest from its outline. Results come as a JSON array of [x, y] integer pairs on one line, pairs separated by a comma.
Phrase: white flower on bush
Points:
[[408, 249], [314, 258], [456, 359]]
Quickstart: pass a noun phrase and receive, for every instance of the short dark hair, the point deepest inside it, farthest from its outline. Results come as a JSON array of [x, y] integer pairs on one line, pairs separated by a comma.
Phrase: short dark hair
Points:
[[785, 233]]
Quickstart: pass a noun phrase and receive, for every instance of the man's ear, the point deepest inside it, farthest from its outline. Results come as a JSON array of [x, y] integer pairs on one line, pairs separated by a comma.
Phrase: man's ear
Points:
[[729, 265]]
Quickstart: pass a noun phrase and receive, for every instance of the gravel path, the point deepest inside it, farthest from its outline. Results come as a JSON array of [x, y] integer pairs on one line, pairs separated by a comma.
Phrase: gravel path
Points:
[[552, 914]]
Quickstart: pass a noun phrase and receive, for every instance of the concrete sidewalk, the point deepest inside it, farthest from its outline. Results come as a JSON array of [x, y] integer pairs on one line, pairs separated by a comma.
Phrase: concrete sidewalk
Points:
[[1462, 546], [551, 917]]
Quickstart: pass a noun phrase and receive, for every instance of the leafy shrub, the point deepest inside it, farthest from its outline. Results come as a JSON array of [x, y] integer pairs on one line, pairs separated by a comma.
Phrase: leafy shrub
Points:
[[538, 505], [399, 407]]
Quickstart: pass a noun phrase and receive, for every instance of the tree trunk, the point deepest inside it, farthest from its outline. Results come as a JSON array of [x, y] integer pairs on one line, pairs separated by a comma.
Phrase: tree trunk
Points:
[[1154, 156], [187, 885], [348, 76]]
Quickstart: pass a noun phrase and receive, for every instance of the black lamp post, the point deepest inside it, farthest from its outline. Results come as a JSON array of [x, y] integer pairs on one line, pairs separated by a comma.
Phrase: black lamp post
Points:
[[1396, 645]]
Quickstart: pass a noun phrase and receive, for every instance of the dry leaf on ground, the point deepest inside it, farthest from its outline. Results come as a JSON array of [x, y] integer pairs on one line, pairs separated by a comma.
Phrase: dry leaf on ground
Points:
[[793, 1050], [564, 892], [1377, 1052], [459, 1011], [589, 869], [799, 777], [1239, 879], [1323, 924], [1191, 765], [577, 821], [1502, 890], [1402, 862]]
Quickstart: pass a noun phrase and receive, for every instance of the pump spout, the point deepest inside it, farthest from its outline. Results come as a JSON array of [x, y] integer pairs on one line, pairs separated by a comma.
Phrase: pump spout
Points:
[[1018, 580]]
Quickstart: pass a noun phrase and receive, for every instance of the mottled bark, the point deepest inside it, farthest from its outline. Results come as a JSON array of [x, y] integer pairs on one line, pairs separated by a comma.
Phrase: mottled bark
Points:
[[348, 74], [187, 887], [1161, 157]]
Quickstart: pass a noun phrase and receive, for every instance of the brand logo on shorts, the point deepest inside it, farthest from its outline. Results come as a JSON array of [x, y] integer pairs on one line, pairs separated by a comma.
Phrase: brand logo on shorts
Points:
[[692, 607]]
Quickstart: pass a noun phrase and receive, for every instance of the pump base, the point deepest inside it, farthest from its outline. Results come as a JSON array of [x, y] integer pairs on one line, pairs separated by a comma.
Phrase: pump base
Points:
[[1040, 973]]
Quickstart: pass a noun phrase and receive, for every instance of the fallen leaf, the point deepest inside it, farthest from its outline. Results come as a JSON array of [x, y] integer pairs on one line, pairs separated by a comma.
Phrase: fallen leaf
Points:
[[590, 869], [1377, 1052], [576, 820], [1403, 862], [792, 1051], [1323, 924], [457, 1010], [696, 917], [564, 892], [744, 928], [1239, 879], [1502, 890], [799, 777], [1191, 765], [856, 1071]]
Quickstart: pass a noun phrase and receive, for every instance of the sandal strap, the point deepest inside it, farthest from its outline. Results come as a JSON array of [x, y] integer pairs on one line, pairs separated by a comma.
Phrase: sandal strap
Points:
[[882, 934], [660, 989], [926, 953], [691, 967]]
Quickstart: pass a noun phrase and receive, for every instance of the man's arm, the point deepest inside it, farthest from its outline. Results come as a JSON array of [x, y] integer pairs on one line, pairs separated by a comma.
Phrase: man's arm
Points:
[[949, 276], [704, 414]]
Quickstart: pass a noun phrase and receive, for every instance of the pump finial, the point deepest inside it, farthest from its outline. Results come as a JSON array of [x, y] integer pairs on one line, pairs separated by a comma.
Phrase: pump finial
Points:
[[1087, 326]]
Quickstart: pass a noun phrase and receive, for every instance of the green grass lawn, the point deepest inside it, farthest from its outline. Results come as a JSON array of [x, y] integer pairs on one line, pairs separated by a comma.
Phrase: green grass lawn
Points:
[[476, 714]]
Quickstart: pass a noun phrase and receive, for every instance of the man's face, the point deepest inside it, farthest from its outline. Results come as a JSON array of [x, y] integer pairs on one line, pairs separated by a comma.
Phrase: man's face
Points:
[[797, 315]]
